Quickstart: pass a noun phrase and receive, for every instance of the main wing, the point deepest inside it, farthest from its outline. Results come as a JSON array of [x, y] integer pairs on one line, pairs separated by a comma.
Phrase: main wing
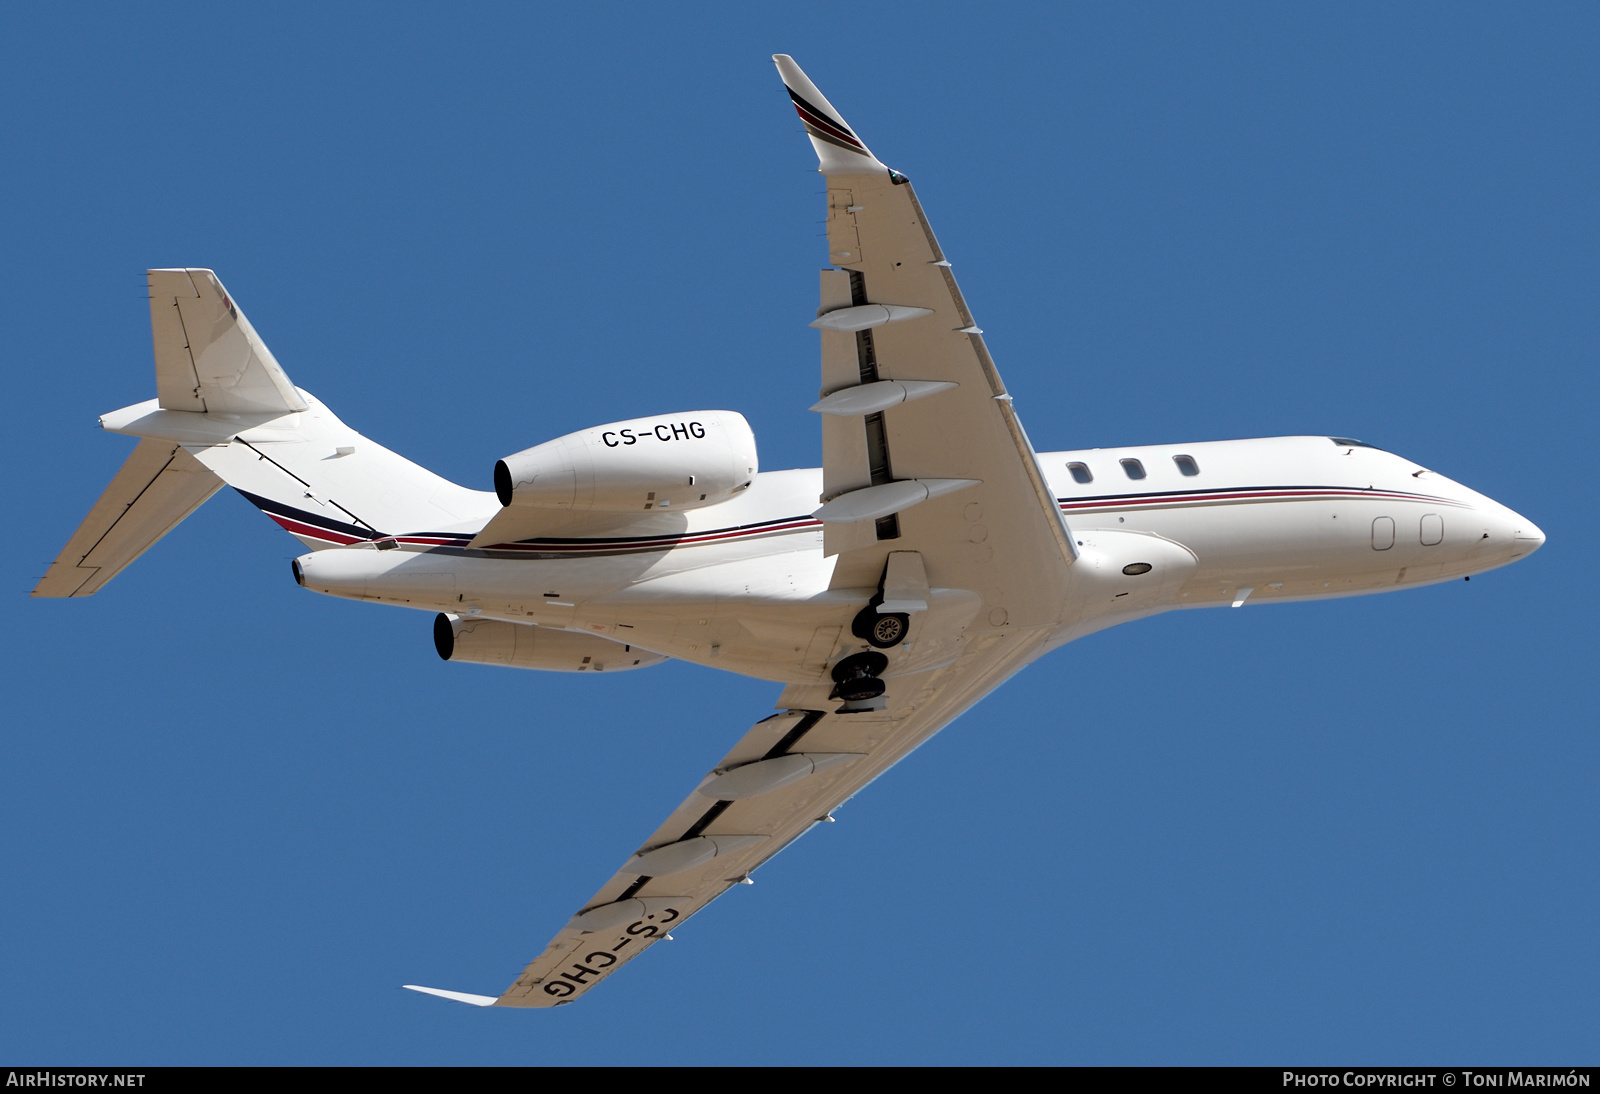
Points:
[[787, 774], [913, 408], [932, 495]]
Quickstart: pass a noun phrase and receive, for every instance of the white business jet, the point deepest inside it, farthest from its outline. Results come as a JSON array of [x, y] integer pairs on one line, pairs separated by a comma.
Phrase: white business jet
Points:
[[946, 553]]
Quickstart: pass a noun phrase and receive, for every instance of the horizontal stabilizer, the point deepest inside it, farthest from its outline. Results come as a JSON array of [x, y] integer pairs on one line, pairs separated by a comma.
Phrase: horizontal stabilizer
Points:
[[158, 486], [458, 996], [209, 358]]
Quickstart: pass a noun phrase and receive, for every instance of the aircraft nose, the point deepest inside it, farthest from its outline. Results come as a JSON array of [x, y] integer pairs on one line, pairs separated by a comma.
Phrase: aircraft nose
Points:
[[1527, 536]]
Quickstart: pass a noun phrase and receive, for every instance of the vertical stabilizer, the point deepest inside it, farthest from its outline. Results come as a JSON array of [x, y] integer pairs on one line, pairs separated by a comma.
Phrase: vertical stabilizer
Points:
[[209, 358]]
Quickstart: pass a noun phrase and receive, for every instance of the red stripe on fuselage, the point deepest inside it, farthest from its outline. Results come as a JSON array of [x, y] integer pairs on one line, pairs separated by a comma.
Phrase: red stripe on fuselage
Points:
[[1165, 501], [311, 531], [692, 539]]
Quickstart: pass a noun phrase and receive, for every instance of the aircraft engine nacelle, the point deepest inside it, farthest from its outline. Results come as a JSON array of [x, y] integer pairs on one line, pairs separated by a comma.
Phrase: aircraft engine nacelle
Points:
[[524, 646], [670, 461]]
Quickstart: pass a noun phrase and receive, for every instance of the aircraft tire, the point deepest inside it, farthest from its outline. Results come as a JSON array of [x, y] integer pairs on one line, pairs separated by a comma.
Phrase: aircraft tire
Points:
[[860, 689], [858, 665], [880, 631], [888, 630]]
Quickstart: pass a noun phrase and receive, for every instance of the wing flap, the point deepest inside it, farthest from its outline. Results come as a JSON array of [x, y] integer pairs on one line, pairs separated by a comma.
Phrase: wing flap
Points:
[[158, 486]]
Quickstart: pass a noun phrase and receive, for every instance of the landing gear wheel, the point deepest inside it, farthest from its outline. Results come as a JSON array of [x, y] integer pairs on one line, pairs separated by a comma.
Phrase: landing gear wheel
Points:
[[860, 690], [859, 664], [880, 631], [856, 677], [889, 630]]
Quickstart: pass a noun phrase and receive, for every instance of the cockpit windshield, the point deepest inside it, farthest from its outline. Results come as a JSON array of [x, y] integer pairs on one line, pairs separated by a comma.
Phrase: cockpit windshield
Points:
[[1350, 442]]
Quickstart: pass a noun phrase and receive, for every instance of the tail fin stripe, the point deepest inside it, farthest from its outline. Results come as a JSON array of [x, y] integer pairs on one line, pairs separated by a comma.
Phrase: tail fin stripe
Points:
[[355, 533], [306, 531]]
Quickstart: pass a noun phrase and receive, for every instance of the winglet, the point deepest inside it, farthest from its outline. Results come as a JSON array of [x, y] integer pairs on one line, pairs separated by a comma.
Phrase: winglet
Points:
[[839, 150], [458, 996]]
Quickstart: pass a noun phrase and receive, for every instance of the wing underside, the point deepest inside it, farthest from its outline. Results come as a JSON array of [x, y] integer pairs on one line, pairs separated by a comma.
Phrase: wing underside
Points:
[[787, 774], [893, 321]]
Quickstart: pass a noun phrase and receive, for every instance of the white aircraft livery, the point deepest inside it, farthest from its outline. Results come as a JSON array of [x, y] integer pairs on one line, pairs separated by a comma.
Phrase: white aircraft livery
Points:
[[931, 556]]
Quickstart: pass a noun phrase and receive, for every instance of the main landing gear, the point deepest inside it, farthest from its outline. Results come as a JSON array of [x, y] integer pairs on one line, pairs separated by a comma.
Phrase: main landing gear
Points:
[[856, 678], [880, 631]]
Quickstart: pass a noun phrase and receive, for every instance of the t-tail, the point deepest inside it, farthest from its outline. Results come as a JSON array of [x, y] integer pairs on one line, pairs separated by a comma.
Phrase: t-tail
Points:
[[225, 413]]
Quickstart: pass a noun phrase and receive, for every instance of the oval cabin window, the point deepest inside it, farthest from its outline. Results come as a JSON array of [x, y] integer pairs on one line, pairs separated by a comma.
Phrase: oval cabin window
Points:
[[1134, 468], [1186, 465], [1080, 472], [1432, 530]]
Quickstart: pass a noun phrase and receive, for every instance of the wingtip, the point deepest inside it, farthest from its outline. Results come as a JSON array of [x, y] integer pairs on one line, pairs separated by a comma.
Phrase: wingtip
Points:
[[839, 150], [458, 996]]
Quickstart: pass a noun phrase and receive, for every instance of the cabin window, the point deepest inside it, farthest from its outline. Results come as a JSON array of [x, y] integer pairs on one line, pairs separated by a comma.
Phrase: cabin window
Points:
[[1186, 465], [1432, 530], [1080, 472], [1382, 533], [1134, 468]]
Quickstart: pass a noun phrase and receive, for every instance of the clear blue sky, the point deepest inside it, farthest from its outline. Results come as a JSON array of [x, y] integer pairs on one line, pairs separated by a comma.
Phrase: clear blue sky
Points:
[[236, 816]]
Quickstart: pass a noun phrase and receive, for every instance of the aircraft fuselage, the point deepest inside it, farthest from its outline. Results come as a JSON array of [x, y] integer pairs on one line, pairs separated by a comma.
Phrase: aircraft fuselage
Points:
[[744, 585]]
